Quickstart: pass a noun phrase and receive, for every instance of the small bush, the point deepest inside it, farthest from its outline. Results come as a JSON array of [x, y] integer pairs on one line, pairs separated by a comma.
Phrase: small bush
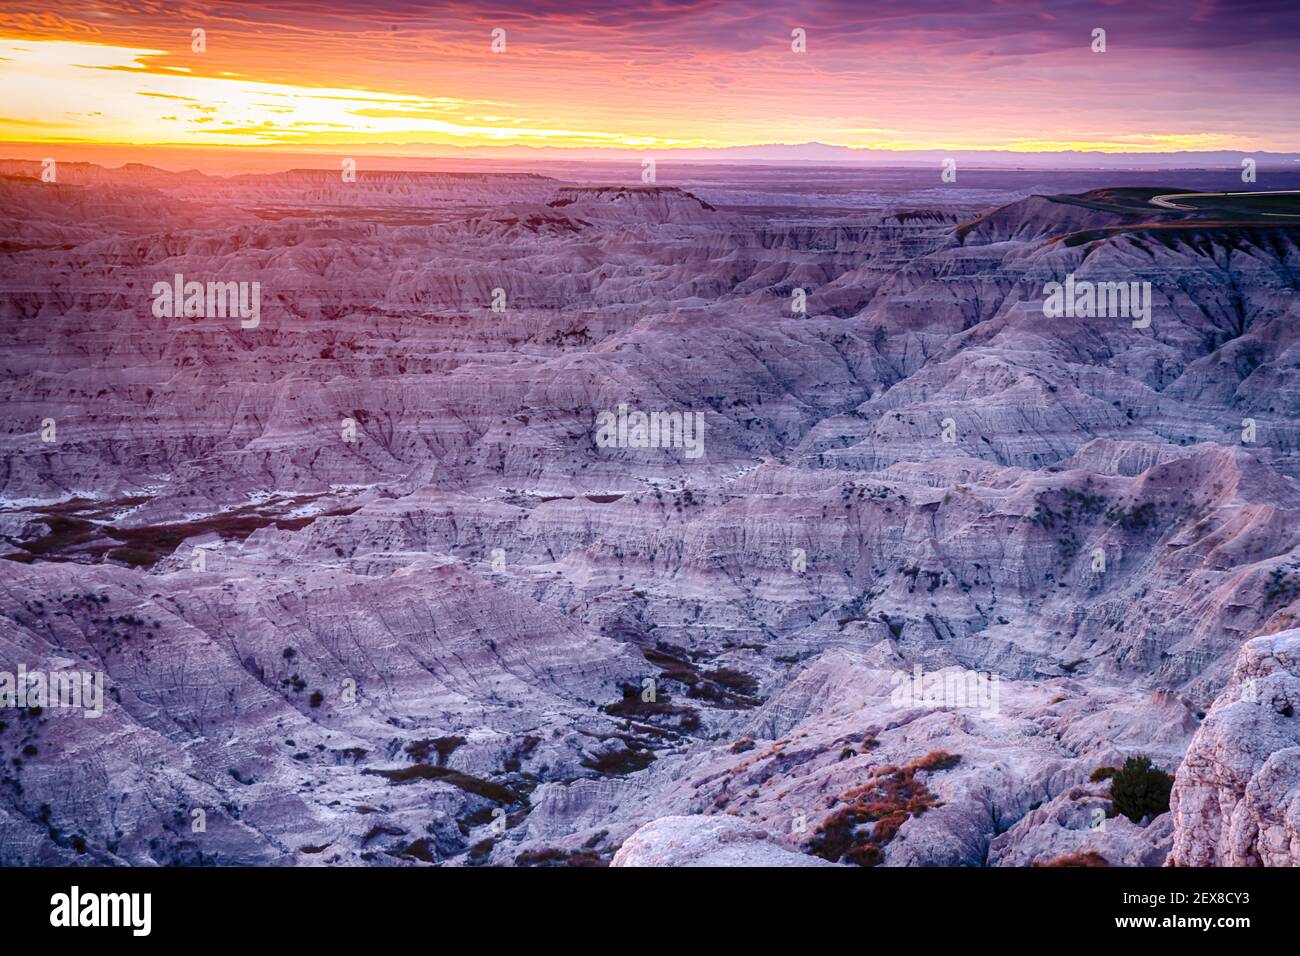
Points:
[[937, 760], [422, 771], [1138, 789], [552, 856], [858, 832], [1078, 858], [444, 746]]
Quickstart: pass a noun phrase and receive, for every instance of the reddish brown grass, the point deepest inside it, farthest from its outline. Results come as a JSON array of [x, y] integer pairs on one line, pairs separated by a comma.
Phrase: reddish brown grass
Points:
[[876, 811], [1078, 858]]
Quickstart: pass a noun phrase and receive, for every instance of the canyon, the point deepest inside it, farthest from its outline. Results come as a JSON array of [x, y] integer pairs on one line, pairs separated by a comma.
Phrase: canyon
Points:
[[366, 588]]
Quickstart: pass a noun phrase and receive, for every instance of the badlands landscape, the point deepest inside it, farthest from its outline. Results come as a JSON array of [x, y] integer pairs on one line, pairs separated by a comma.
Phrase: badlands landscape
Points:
[[370, 580]]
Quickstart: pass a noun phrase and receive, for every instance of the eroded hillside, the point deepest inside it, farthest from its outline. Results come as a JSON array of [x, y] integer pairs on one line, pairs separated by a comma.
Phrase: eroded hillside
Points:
[[368, 584]]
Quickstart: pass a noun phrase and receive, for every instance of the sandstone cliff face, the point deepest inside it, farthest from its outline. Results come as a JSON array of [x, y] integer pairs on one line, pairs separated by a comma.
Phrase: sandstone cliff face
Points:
[[365, 587], [1236, 798]]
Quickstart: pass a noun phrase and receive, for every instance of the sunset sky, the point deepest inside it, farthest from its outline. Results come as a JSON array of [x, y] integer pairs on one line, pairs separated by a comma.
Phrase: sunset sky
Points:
[[654, 75]]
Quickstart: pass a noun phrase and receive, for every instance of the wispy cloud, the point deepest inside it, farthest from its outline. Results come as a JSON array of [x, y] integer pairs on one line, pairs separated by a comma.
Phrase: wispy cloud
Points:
[[926, 74]]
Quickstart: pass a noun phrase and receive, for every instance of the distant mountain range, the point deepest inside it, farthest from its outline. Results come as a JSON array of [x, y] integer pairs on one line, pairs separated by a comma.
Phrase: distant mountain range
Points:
[[1074, 159], [823, 154], [419, 155]]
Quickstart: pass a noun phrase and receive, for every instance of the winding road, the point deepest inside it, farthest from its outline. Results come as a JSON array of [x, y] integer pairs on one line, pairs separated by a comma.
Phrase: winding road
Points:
[[1165, 201]]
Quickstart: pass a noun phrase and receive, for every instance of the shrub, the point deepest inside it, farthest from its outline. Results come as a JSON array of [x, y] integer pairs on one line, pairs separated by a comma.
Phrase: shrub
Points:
[[1078, 858], [937, 760], [858, 832], [444, 746], [553, 856], [1138, 789], [422, 771]]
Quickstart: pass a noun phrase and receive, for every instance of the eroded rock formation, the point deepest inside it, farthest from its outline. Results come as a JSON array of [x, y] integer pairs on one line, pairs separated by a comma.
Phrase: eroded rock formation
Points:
[[365, 588]]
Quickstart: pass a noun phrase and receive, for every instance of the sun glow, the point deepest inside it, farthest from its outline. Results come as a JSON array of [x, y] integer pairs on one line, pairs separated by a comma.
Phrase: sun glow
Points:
[[62, 91], [312, 76]]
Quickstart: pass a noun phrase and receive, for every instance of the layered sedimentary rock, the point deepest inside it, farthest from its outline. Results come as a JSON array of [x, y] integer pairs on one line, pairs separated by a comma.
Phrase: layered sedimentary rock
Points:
[[1236, 800], [366, 585]]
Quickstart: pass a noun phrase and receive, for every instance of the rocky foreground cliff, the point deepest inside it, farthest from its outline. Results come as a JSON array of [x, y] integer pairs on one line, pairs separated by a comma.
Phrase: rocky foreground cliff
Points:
[[395, 575]]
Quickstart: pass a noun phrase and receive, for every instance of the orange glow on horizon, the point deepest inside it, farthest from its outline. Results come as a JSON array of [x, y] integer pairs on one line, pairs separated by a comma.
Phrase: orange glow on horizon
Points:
[[298, 81], [142, 103]]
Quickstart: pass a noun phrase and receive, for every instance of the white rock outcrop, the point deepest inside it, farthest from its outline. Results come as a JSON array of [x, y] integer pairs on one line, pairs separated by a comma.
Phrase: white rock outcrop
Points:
[[1236, 796], [719, 840]]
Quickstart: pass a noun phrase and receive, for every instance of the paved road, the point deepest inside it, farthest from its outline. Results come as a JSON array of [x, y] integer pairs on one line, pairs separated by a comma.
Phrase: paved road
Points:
[[1165, 201]]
